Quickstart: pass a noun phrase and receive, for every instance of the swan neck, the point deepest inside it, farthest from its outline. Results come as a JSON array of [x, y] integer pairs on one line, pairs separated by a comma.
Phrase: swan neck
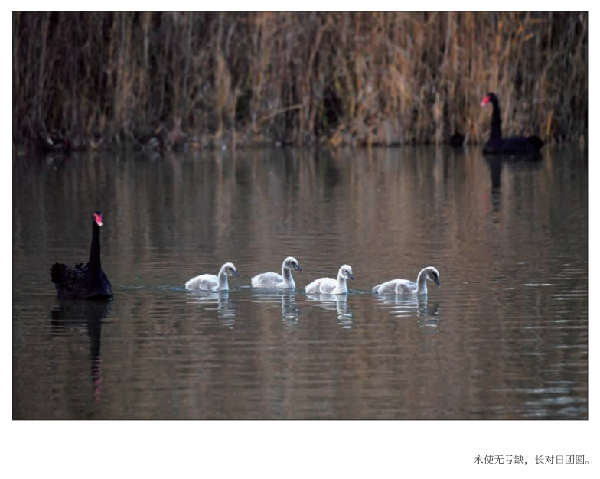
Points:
[[342, 284], [287, 275], [422, 282], [496, 131], [223, 280], [95, 248]]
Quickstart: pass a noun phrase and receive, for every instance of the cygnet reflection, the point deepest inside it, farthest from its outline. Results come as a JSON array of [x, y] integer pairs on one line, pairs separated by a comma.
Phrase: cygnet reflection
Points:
[[218, 301], [411, 306], [337, 303]]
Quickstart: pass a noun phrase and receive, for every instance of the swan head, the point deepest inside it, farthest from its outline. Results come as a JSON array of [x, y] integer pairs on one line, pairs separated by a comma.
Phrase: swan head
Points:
[[229, 269], [291, 263], [346, 272], [433, 275], [489, 98], [98, 218]]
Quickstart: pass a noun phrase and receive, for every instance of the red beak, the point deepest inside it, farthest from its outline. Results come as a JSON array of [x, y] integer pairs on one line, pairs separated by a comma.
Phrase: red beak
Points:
[[98, 219], [485, 101]]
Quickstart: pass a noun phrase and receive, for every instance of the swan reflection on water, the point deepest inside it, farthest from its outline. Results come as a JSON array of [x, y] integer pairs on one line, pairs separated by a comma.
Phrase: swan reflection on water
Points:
[[88, 314], [218, 301], [514, 164], [410, 306], [337, 303], [289, 309], [285, 299]]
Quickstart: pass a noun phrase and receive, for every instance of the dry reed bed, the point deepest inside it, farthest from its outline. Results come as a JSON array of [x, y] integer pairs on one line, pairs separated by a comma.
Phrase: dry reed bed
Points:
[[337, 78]]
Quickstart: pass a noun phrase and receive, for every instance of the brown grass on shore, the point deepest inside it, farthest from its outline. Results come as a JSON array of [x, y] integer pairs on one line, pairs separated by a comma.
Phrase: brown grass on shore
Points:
[[299, 78]]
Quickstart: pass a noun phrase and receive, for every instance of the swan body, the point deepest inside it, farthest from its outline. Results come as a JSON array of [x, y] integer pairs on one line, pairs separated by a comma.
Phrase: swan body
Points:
[[330, 285], [516, 145], [53, 144], [211, 282], [404, 286], [83, 282], [274, 280]]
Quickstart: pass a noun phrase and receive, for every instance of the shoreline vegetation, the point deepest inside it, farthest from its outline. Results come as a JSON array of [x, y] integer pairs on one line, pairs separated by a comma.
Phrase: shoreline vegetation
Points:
[[163, 81]]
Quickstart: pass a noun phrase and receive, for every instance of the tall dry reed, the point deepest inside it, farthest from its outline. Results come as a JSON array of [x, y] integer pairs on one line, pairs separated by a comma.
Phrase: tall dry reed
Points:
[[340, 78]]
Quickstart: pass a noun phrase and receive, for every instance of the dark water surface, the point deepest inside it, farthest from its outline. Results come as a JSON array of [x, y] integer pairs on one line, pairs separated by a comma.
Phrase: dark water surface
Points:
[[505, 337]]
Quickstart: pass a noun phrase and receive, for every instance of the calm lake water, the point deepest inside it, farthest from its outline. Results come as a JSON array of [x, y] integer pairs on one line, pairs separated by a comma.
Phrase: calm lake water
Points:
[[505, 337]]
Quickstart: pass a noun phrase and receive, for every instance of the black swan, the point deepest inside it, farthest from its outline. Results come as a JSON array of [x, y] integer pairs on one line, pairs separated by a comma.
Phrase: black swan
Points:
[[83, 282], [514, 145], [54, 144], [457, 140]]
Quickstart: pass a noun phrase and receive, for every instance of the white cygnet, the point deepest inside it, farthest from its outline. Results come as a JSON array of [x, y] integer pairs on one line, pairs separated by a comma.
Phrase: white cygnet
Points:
[[404, 286], [330, 285], [274, 280], [210, 282]]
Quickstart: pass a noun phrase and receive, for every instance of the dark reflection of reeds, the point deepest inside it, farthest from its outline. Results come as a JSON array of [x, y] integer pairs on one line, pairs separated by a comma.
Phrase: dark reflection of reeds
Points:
[[345, 77]]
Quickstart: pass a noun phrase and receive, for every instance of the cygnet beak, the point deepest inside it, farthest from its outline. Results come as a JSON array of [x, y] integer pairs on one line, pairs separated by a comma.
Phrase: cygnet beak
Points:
[[235, 273], [351, 276], [298, 267], [437, 281]]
